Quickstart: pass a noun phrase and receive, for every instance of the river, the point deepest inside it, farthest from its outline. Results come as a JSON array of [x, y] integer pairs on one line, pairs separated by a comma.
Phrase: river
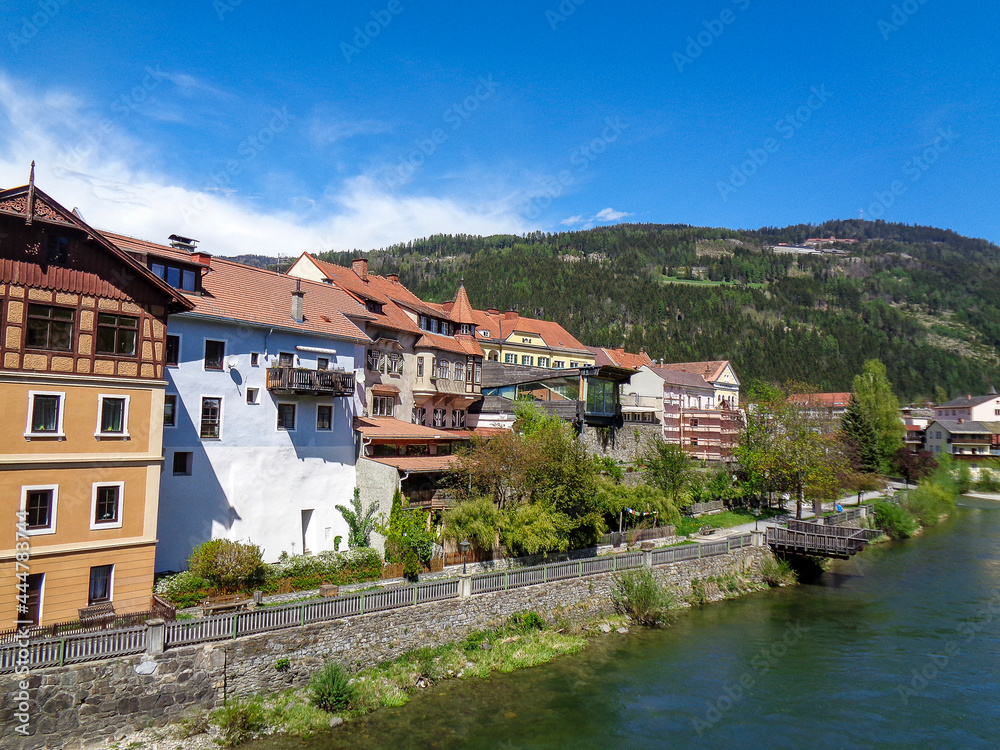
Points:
[[896, 648]]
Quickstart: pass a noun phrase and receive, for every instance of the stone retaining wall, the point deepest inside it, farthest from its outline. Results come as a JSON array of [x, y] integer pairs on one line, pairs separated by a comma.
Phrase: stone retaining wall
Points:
[[82, 705]]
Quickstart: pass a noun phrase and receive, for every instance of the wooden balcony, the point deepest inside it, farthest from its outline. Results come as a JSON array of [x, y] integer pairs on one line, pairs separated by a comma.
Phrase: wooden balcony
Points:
[[309, 382]]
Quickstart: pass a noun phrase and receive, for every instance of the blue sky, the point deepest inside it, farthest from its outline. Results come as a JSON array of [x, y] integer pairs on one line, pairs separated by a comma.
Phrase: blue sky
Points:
[[258, 128]]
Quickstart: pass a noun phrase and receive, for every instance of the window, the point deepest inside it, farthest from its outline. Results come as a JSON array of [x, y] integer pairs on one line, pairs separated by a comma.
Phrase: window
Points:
[[112, 416], [468, 373], [396, 364], [170, 410], [50, 327], [173, 357], [382, 406], [444, 367], [479, 373], [465, 330], [457, 418], [459, 372], [601, 396], [182, 463], [38, 503], [179, 278], [215, 352], [286, 416], [559, 364], [420, 367], [527, 359], [375, 358], [694, 422], [543, 361], [117, 334], [254, 359], [424, 325], [106, 506], [322, 363], [252, 394], [439, 418], [373, 307], [445, 328], [286, 359], [324, 417], [58, 250], [211, 417], [510, 359], [45, 414], [434, 325], [485, 333], [100, 584], [420, 415], [574, 364], [694, 441]]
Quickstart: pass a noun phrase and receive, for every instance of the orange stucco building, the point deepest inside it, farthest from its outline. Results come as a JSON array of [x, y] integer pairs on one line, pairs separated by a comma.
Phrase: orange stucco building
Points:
[[82, 348]]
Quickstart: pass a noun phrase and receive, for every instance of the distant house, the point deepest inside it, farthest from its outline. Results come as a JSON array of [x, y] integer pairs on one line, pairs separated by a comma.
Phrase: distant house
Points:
[[514, 340], [824, 409], [82, 360], [967, 441], [258, 433], [970, 408], [915, 422]]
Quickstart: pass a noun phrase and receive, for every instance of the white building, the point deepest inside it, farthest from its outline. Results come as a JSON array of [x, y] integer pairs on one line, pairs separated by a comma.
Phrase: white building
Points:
[[263, 384]]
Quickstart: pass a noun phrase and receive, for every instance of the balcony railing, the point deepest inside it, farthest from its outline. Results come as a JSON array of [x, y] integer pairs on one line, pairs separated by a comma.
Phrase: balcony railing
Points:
[[318, 382]]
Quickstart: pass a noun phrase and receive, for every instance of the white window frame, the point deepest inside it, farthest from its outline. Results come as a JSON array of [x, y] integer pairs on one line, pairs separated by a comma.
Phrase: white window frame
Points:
[[111, 582], [177, 403], [459, 372], [420, 367], [180, 343], [458, 419], [543, 361], [510, 359], [95, 525], [222, 411], [59, 417], [100, 413], [25, 489], [420, 415], [440, 415], [295, 416], [389, 401], [325, 429]]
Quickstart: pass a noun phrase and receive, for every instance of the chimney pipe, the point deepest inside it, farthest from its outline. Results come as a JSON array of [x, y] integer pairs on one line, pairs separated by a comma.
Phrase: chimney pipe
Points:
[[393, 278], [297, 296], [360, 267], [510, 315]]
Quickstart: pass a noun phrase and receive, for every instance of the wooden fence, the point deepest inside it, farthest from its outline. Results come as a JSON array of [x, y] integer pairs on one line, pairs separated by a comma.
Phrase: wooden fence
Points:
[[47, 651], [695, 508]]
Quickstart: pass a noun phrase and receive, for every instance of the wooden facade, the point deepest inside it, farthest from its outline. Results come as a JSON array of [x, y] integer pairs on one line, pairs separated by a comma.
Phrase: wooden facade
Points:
[[82, 338]]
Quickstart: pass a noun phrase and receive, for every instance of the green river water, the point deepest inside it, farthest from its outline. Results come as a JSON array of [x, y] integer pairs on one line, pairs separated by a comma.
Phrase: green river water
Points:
[[897, 648]]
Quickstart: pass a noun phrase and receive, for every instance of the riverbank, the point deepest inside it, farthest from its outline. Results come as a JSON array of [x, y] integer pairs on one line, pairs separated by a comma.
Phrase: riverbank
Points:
[[478, 654]]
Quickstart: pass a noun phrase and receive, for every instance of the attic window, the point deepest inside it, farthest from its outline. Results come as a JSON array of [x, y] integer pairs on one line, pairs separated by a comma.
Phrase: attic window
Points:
[[374, 307]]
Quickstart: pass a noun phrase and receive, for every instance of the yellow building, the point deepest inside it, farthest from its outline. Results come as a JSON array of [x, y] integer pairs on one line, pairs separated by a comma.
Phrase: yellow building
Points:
[[511, 339], [82, 393]]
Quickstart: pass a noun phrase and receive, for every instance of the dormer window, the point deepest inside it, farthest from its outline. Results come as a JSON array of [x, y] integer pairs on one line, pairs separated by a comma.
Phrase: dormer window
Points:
[[484, 333], [465, 330], [177, 277], [374, 307]]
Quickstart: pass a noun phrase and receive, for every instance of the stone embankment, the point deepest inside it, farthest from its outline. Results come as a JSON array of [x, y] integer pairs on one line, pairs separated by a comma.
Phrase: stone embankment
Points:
[[87, 705]]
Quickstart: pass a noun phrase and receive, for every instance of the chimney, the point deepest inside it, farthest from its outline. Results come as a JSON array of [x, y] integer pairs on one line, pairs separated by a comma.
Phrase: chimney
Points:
[[393, 278], [202, 257], [360, 267], [182, 243], [510, 315], [297, 296], [492, 311]]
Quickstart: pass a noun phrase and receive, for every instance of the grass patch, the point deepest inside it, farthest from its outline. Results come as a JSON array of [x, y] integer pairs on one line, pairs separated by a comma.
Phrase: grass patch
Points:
[[646, 601], [706, 282], [689, 526]]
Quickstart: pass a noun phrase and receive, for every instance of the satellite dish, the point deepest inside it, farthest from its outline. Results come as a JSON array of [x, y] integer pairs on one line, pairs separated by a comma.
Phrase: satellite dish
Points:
[[232, 361]]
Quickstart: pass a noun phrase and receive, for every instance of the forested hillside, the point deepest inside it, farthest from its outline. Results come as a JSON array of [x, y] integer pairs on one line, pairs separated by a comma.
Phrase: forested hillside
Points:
[[925, 301]]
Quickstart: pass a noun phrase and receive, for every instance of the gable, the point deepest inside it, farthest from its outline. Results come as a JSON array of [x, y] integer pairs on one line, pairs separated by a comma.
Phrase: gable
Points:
[[728, 377]]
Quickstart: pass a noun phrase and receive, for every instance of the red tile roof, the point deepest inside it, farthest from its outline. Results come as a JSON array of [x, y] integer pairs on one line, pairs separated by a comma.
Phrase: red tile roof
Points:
[[419, 464], [461, 310], [459, 345], [619, 358], [821, 399], [237, 292], [390, 428], [553, 334], [708, 370]]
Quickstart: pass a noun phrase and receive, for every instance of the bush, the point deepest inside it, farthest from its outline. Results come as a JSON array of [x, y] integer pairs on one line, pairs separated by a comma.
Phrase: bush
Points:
[[227, 565], [928, 502], [988, 481], [184, 589], [240, 721], [330, 688], [639, 595], [964, 478], [340, 568], [894, 520], [525, 622], [777, 572]]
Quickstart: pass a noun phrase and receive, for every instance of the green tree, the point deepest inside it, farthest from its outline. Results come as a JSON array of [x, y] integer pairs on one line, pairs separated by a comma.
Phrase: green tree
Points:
[[478, 520], [666, 466], [407, 539], [876, 399], [228, 565], [360, 521], [533, 528], [861, 438]]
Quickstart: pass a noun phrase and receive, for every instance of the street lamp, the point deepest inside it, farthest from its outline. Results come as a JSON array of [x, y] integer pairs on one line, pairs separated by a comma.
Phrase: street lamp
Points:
[[756, 517], [464, 546]]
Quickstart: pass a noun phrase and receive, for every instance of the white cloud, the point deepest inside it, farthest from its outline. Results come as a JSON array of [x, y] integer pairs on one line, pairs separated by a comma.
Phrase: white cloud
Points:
[[609, 214], [326, 131], [105, 172], [573, 220]]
